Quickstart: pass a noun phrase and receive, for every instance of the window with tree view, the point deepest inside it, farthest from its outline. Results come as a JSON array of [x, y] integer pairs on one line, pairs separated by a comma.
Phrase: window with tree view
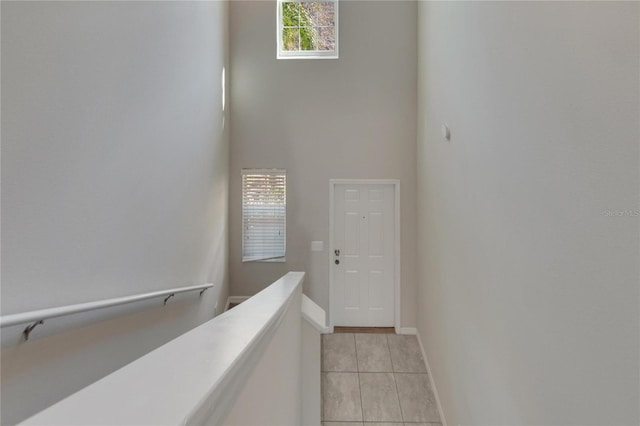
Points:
[[307, 29]]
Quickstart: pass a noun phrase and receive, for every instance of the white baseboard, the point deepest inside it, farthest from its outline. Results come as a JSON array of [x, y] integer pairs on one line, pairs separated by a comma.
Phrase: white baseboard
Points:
[[234, 299], [433, 383], [406, 330]]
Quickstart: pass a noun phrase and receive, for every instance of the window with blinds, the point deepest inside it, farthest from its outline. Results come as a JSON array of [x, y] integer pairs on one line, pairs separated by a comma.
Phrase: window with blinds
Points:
[[264, 205]]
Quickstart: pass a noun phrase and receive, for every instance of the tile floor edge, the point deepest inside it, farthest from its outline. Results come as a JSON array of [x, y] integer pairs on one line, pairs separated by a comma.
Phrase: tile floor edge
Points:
[[443, 419]]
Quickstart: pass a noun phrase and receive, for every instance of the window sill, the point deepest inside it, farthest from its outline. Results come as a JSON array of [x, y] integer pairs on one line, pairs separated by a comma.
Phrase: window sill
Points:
[[308, 57], [276, 260]]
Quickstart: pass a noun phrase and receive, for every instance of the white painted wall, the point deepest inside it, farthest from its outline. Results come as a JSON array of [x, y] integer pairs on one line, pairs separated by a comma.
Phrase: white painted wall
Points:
[[313, 326], [528, 294], [273, 394], [220, 372], [353, 117], [114, 182], [311, 376]]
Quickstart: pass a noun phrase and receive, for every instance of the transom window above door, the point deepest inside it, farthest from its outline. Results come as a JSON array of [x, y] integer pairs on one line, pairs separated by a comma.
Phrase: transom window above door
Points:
[[308, 29]]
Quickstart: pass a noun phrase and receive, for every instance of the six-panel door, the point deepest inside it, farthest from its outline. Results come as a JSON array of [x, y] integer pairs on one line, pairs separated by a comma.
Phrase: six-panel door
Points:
[[363, 269]]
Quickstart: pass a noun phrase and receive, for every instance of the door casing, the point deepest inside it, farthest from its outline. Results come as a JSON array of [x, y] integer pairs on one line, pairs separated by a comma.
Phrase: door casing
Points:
[[396, 283]]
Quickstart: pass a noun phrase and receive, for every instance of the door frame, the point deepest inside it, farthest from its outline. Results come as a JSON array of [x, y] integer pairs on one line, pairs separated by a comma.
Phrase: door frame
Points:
[[396, 284]]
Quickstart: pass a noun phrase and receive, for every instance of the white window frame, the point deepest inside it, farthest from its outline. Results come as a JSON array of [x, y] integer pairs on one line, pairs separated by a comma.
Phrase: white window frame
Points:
[[304, 54], [264, 172]]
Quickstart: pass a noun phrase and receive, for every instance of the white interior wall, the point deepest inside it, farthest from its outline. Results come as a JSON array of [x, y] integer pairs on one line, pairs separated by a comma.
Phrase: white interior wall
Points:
[[520, 263], [114, 182], [528, 218], [275, 390], [353, 117], [311, 376]]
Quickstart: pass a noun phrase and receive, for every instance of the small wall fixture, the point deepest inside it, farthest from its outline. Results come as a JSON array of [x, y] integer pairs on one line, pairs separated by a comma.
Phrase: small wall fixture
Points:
[[446, 133], [27, 331]]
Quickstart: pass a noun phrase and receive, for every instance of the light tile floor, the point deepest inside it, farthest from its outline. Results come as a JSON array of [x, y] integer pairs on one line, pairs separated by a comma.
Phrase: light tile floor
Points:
[[375, 379]]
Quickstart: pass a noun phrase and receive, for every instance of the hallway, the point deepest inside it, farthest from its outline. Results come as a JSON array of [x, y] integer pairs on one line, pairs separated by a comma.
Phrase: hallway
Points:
[[378, 379], [129, 130]]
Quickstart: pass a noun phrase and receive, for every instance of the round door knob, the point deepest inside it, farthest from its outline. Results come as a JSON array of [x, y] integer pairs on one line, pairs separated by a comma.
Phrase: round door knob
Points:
[[337, 262]]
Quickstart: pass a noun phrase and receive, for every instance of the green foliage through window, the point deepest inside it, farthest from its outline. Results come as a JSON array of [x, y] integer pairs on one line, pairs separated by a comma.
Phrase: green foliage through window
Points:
[[308, 26], [295, 15]]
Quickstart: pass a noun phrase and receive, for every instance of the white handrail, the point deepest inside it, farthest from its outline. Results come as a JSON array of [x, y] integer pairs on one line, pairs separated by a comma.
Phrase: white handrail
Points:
[[210, 365], [43, 314]]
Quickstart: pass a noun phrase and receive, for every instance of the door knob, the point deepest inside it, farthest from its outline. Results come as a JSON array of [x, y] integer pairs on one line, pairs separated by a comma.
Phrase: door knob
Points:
[[337, 252], [337, 262]]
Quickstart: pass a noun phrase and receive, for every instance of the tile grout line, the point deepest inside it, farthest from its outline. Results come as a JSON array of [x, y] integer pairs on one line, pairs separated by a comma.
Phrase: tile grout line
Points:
[[393, 366], [393, 375], [322, 377], [372, 372], [355, 346]]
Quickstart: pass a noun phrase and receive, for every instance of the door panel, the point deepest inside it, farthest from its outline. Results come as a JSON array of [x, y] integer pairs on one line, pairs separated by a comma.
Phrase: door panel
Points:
[[376, 234], [351, 234], [363, 279], [351, 290], [376, 289]]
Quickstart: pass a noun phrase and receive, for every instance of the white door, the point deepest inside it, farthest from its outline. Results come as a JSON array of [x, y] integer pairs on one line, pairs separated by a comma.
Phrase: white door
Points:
[[363, 256]]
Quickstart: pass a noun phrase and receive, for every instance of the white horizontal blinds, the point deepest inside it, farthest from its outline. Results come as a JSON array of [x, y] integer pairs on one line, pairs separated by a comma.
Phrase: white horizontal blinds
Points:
[[264, 203]]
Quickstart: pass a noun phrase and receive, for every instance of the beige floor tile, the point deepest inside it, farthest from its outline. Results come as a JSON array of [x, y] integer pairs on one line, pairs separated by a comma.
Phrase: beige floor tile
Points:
[[406, 356], [417, 401], [341, 397], [372, 353], [339, 352], [342, 424], [379, 398], [424, 424]]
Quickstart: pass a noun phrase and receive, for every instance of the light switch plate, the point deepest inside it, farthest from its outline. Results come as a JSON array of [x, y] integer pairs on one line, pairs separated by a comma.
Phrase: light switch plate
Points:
[[317, 245]]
